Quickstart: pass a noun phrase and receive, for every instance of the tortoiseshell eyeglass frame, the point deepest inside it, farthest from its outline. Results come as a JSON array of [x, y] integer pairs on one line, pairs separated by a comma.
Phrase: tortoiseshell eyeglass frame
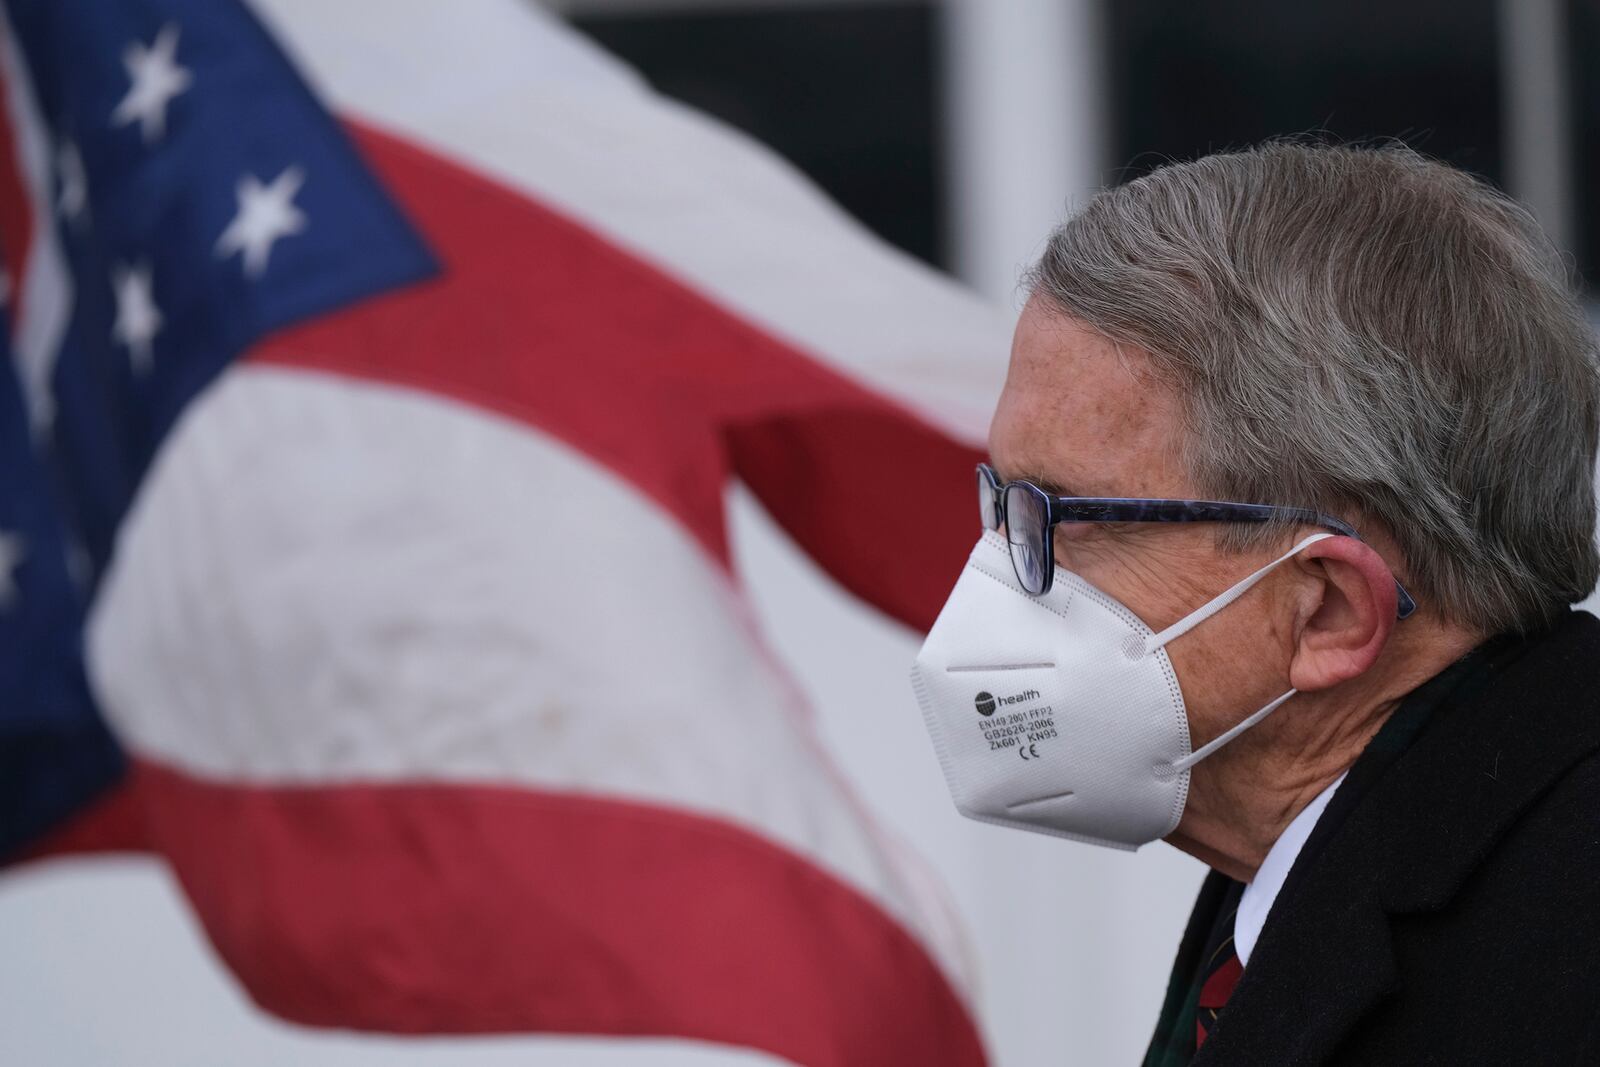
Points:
[[1035, 544]]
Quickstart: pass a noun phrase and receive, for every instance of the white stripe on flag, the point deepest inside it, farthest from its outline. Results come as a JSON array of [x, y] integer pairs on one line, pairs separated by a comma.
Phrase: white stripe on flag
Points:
[[46, 286], [508, 90], [413, 590]]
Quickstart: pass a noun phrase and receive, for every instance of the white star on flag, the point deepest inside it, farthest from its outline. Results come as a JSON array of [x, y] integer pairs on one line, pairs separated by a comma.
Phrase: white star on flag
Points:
[[73, 197], [138, 318], [12, 551], [155, 78], [266, 213]]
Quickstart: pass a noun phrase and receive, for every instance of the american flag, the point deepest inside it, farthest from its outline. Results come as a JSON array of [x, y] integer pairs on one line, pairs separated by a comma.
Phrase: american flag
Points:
[[362, 542], [155, 225]]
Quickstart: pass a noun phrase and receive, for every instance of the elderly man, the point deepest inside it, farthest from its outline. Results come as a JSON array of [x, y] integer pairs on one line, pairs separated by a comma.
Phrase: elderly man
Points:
[[1309, 434]]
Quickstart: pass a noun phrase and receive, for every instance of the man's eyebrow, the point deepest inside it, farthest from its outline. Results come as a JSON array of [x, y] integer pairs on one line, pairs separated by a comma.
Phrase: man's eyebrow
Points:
[[1049, 485]]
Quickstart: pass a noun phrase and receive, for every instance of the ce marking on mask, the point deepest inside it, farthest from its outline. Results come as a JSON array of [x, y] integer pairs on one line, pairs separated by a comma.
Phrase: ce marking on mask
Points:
[[1024, 729]]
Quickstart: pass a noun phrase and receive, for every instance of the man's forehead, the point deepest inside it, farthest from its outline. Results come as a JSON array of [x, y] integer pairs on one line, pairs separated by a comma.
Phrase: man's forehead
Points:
[[1081, 414]]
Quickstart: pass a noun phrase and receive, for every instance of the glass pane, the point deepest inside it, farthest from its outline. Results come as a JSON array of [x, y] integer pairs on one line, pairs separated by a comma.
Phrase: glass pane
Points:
[[986, 506], [1026, 518]]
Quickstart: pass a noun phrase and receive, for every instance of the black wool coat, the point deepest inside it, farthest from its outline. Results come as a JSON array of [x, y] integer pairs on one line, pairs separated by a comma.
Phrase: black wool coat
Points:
[[1453, 915]]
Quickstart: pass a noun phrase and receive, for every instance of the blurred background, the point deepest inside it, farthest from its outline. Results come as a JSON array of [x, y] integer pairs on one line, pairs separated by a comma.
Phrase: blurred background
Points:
[[959, 132]]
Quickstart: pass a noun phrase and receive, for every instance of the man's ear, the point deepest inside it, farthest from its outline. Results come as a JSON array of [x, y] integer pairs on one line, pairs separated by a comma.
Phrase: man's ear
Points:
[[1350, 612]]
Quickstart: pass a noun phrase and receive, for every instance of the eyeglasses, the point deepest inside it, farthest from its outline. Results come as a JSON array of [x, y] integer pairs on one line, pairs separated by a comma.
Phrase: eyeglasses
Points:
[[1030, 515]]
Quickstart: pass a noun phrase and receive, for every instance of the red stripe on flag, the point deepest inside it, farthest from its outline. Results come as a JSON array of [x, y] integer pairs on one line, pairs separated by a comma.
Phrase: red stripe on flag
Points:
[[540, 319], [887, 507], [16, 207], [453, 909]]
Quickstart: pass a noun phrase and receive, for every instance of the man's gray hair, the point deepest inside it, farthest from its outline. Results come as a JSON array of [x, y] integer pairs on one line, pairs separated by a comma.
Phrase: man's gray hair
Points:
[[1370, 333]]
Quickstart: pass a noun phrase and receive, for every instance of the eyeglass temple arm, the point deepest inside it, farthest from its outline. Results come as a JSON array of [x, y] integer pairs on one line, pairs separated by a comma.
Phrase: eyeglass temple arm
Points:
[[1114, 509]]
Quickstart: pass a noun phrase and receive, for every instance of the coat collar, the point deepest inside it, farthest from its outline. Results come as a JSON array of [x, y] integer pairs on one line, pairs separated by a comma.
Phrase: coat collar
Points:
[[1325, 956]]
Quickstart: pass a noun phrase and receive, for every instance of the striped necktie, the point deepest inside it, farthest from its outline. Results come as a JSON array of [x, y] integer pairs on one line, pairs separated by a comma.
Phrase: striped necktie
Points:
[[1221, 970]]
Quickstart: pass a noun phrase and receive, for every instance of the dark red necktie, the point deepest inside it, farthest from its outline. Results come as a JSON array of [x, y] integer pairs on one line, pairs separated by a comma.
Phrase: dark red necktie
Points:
[[1222, 974]]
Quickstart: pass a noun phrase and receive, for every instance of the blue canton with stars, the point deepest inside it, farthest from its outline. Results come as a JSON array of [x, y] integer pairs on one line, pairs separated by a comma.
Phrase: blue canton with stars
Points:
[[199, 197]]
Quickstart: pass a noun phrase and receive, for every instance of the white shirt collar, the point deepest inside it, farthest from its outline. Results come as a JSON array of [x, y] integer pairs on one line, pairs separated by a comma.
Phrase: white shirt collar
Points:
[[1263, 889]]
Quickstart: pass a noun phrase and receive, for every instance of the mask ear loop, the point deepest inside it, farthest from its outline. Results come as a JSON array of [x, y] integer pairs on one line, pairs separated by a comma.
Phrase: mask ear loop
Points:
[[1181, 765], [1239, 589], [1200, 615]]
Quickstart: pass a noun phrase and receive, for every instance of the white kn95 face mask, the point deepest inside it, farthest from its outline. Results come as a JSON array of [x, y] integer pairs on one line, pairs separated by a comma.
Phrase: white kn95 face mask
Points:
[[1062, 714]]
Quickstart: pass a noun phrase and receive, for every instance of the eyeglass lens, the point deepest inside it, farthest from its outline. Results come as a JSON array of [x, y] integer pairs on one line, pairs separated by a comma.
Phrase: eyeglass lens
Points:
[[987, 491], [1027, 513]]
